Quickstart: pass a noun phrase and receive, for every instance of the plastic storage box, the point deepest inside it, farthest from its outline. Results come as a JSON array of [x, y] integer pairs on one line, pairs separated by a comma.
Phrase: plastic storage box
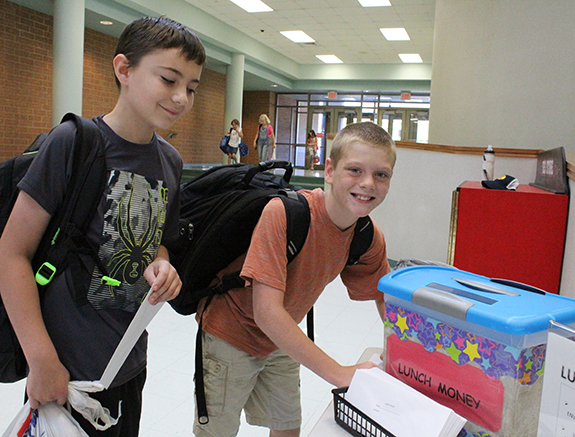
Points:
[[471, 343]]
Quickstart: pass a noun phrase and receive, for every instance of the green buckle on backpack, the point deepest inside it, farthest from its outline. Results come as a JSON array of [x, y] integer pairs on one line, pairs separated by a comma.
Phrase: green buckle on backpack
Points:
[[45, 273], [110, 281]]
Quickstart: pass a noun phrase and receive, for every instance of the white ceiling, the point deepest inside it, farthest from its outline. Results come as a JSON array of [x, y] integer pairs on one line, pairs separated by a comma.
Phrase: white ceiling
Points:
[[340, 27], [272, 62]]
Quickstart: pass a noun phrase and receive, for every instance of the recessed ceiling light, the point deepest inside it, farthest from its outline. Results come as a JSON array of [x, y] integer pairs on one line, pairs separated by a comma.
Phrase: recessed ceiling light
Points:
[[106, 22], [410, 58], [329, 59], [298, 36], [274, 86], [252, 5], [372, 3], [395, 33]]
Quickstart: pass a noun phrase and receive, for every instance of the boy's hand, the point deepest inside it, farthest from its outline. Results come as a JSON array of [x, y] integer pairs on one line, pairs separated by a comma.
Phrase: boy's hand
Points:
[[349, 371], [164, 280], [47, 382]]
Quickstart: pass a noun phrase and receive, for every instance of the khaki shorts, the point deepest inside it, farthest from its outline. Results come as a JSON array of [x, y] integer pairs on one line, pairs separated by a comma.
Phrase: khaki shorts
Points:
[[267, 390]]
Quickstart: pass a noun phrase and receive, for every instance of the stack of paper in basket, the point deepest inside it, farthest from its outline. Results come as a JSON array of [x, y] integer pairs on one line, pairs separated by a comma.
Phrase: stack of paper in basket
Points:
[[400, 409]]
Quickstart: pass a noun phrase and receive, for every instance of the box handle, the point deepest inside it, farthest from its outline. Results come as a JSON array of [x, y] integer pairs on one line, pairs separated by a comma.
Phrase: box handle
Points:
[[441, 301]]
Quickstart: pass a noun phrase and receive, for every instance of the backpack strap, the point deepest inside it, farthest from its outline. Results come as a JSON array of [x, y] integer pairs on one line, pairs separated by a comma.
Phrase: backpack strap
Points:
[[297, 222], [362, 238], [65, 237]]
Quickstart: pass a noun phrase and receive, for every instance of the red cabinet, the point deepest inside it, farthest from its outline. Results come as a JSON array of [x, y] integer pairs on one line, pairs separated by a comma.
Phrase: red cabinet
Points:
[[517, 235]]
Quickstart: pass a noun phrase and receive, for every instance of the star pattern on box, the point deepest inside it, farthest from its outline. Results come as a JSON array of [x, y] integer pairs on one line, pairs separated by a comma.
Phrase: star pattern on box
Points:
[[495, 359]]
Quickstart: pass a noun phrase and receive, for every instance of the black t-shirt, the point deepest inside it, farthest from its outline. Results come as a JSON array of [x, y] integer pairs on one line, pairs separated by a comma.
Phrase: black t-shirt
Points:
[[139, 211]]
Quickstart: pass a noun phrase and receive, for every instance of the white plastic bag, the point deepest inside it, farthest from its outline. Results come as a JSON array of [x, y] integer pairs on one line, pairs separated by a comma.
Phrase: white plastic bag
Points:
[[50, 420], [21, 422], [53, 420], [88, 407]]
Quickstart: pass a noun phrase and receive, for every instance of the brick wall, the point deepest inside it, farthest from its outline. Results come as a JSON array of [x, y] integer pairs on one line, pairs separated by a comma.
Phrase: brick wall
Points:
[[25, 76], [26, 88], [99, 91]]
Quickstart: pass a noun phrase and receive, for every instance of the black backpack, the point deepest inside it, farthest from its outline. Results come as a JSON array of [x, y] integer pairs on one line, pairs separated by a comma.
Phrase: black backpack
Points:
[[64, 237], [218, 213]]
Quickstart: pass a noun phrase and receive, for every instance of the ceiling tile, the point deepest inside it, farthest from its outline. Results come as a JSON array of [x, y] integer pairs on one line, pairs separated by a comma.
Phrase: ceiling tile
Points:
[[341, 27]]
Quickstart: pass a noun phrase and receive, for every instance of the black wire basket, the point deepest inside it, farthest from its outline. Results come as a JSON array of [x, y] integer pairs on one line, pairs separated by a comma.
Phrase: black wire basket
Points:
[[353, 420]]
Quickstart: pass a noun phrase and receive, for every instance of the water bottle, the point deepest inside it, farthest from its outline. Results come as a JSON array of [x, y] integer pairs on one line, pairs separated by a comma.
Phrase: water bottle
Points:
[[488, 163]]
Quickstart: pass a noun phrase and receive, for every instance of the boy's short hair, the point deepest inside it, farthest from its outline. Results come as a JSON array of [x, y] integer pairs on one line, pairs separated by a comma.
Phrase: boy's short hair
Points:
[[144, 35], [366, 132]]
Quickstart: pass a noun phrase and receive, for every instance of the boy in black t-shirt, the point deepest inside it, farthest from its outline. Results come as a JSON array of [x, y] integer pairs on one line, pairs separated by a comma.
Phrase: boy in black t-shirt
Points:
[[157, 65]]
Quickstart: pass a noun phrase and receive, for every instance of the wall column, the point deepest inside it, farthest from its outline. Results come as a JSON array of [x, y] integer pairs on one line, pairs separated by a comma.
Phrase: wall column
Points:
[[234, 93], [68, 58]]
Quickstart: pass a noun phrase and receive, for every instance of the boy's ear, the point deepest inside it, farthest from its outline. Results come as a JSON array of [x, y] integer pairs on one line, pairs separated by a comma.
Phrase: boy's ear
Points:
[[328, 171], [121, 68]]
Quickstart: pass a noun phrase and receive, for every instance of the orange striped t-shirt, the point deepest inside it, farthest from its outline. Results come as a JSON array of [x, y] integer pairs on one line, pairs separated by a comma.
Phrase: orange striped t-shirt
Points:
[[322, 258]]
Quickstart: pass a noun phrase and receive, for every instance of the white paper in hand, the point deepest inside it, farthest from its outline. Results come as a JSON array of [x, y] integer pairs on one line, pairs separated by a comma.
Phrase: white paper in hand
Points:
[[143, 317]]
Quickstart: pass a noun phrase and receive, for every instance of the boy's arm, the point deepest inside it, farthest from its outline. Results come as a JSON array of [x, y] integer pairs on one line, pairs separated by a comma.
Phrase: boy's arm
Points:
[[163, 278], [48, 378], [278, 325]]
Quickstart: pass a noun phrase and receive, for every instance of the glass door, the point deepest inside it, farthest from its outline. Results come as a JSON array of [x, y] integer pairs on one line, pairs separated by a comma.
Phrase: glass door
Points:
[[392, 121], [418, 126], [327, 122], [345, 116], [320, 121], [406, 124]]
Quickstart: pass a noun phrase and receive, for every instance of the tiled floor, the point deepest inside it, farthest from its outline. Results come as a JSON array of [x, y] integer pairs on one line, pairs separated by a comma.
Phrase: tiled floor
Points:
[[344, 329]]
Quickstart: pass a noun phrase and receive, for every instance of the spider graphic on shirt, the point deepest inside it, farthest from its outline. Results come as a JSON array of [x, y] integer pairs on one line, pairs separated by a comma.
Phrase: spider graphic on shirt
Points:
[[130, 262]]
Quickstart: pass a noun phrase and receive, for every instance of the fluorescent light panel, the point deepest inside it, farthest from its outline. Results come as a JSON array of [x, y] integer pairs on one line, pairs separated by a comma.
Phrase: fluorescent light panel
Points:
[[410, 58], [373, 3], [329, 59], [252, 5], [298, 36], [395, 33]]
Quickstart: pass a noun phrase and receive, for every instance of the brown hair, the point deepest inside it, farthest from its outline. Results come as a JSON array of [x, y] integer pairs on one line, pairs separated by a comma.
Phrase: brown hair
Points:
[[144, 35], [365, 132]]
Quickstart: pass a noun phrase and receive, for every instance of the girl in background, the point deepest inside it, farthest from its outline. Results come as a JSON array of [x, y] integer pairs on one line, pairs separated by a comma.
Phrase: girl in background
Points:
[[236, 135], [310, 149], [264, 139]]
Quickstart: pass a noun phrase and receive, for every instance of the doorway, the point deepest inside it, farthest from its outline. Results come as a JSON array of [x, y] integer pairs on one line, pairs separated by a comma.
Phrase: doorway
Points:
[[401, 124], [405, 124], [297, 114], [327, 122]]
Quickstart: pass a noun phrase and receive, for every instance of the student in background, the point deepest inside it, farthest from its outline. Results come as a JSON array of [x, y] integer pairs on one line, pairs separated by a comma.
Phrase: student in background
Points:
[[157, 65], [310, 149], [236, 135], [253, 346], [265, 140]]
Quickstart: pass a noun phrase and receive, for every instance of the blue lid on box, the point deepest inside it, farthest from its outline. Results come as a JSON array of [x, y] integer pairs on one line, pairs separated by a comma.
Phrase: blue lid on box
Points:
[[514, 309]]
